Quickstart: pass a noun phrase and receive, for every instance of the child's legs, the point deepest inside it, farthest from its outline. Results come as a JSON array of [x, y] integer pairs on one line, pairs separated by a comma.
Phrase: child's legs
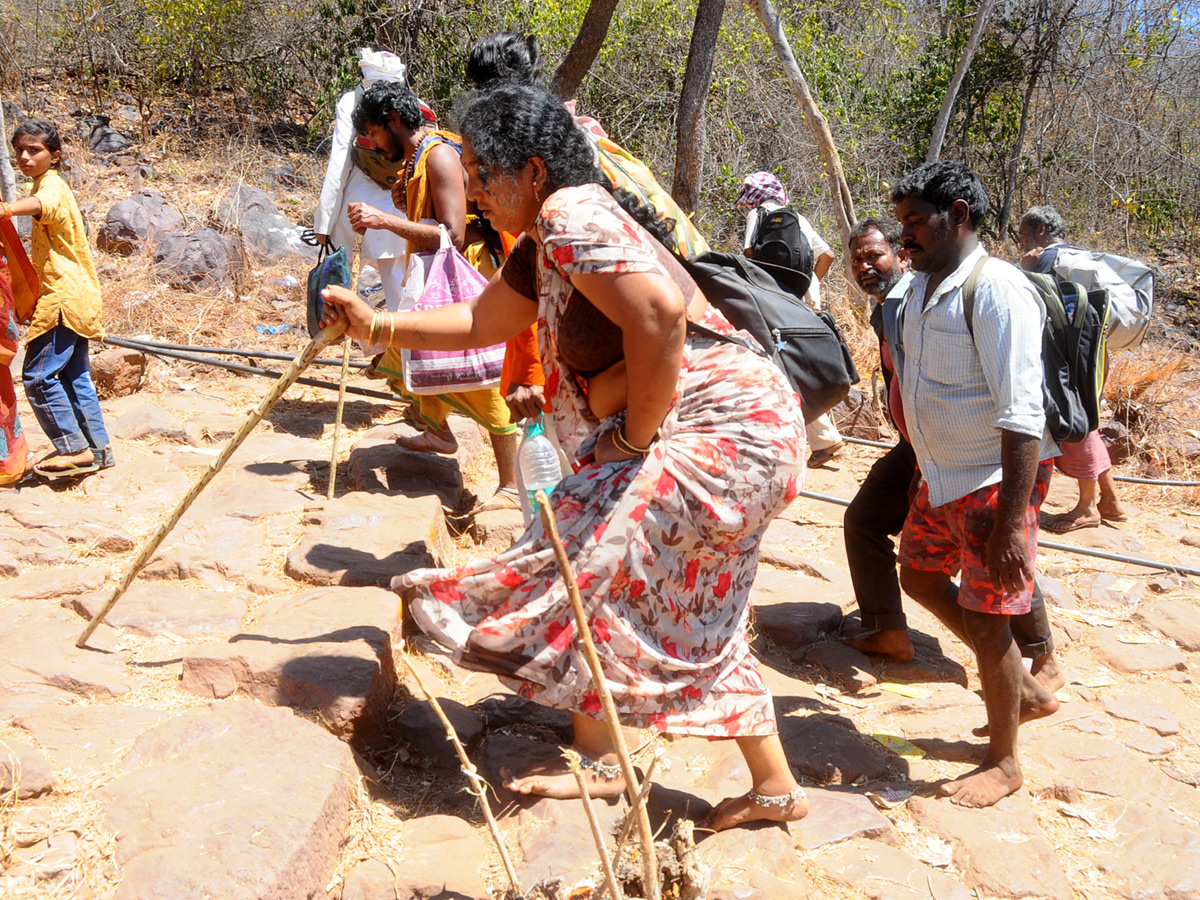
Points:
[[46, 358], [81, 390]]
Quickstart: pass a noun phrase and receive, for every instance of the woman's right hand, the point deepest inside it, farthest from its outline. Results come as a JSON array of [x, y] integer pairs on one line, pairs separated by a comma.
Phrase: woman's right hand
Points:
[[341, 302]]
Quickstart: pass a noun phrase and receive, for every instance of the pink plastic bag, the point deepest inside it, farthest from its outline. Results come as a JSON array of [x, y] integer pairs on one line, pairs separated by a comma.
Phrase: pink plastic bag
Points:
[[449, 279]]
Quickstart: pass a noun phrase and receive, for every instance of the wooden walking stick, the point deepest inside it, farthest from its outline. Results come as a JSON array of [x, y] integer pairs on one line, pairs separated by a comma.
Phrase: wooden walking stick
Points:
[[355, 269], [632, 788], [326, 337]]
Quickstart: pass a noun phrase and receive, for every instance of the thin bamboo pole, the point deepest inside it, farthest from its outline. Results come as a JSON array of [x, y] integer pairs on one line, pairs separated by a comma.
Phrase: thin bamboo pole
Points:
[[575, 764], [355, 269], [653, 890], [472, 774], [326, 337]]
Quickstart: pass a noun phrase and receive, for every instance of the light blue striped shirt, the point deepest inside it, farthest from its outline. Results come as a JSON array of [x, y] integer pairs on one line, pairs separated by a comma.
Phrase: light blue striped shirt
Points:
[[960, 393]]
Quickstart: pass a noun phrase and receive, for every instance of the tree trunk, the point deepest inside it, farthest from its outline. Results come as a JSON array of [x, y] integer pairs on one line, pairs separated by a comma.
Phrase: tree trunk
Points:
[[960, 72], [843, 204], [690, 138], [583, 52], [8, 179]]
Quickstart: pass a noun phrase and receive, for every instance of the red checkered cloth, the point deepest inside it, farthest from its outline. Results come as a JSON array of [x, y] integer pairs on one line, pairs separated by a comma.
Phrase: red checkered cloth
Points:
[[757, 189]]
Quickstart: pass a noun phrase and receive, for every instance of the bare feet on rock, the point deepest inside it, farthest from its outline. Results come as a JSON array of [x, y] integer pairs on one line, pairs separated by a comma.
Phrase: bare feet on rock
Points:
[[985, 786], [789, 806], [893, 643], [553, 779]]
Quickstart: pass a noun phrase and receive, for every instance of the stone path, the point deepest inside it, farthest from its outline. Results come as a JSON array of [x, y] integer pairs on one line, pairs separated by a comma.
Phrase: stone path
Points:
[[243, 728]]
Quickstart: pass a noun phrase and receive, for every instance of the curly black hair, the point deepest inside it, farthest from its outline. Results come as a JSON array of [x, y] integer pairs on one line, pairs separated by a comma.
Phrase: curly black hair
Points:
[[383, 98], [889, 229], [506, 57], [940, 184], [510, 124]]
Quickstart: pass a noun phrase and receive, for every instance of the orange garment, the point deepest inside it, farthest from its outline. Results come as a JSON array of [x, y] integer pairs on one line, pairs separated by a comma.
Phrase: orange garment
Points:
[[13, 449]]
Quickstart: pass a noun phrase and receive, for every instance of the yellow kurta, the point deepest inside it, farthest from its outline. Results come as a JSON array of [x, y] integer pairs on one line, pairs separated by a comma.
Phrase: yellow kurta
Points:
[[62, 259]]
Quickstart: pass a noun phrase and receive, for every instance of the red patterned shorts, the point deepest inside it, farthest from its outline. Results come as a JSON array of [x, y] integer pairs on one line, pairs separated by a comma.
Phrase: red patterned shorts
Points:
[[953, 537]]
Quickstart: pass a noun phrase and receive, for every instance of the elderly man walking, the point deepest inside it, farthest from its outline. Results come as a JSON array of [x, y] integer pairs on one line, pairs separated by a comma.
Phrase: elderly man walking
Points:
[[972, 399]]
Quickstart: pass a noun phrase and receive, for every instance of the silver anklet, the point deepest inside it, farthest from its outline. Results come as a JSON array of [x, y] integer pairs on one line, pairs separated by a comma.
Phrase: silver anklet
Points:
[[779, 801], [602, 771]]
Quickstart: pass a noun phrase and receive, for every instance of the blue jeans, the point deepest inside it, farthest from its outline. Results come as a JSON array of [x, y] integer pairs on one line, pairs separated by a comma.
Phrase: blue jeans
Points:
[[58, 385]]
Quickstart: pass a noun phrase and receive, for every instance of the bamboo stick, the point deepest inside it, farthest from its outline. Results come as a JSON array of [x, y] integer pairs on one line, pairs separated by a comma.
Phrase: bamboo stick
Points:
[[472, 774], [299, 364], [355, 269], [337, 421], [650, 881], [575, 764], [627, 822]]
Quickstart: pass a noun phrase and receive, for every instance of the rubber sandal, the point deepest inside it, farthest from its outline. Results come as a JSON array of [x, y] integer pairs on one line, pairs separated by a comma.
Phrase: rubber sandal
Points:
[[1059, 524], [825, 455], [505, 498], [72, 470]]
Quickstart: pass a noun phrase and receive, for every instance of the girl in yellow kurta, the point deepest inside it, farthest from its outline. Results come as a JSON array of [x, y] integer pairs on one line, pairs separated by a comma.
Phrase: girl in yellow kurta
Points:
[[57, 375]]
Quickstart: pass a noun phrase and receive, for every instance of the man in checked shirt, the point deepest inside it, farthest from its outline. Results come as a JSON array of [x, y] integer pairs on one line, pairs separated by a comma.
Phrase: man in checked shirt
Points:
[[974, 409]]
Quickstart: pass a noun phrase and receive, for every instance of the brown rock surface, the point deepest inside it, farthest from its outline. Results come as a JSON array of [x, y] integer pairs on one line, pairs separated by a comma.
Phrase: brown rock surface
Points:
[[53, 584], [364, 539], [39, 640], [1134, 659], [234, 800], [118, 372], [1000, 850], [837, 816], [1156, 855], [327, 650], [154, 608], [1177, 619], [86, 740], [442, 858], [213, 552], [23, 768], [887, 873]]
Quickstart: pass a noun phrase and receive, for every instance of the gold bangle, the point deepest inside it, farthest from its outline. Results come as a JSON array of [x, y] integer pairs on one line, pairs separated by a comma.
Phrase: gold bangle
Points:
[[623, 444], [374, 326], [7, 212], [390, 321]]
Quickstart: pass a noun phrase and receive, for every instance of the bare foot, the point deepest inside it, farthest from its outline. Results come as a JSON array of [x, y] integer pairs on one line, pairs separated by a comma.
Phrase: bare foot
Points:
[[1045, 671], [553, 779], [1036, 703], [733, 811], [893, 643], [988, 784]]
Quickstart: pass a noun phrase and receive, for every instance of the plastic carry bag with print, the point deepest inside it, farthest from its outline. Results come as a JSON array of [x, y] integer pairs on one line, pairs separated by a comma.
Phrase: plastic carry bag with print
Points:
[[449, 278]]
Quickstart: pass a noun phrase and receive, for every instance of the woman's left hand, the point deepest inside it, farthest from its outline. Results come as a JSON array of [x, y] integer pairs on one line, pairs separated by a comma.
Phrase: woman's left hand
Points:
[[341, 302]]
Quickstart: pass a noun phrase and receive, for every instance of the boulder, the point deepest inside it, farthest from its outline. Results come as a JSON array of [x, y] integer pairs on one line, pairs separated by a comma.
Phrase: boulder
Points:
[[118, 372], [136, 223], [202, 260], [856, 416], [231, 800], [266, 233], [327, 651], [371, 879], [103, 139], [24, 770], [844, 667], [1119, 440]]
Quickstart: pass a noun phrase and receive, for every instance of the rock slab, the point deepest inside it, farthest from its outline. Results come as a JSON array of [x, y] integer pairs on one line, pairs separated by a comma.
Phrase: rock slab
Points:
[[232, 800], [327, 650]]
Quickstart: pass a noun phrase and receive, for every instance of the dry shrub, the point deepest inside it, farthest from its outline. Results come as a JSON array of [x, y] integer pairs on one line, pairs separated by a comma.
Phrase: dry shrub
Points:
[[1146, 393]]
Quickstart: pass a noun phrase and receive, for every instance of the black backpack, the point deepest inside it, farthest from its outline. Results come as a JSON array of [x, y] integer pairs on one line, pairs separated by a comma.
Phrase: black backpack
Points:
[[779, 241], [762, 299], [1074, 325]]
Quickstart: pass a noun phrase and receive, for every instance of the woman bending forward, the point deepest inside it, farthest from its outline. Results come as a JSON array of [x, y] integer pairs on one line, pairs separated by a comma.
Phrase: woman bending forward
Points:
[[684, 448]]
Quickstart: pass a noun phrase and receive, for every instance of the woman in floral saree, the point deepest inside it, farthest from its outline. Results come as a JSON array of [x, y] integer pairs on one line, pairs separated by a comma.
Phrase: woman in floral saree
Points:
[[684, 449]]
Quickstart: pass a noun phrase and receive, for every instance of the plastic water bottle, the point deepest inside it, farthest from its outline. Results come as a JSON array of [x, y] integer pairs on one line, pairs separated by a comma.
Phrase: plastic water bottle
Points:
[[538, 462]]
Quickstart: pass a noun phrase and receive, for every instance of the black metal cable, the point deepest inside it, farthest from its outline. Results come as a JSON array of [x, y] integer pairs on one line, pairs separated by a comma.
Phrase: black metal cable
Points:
[[150, 346], [269, 373], [1052, 545]]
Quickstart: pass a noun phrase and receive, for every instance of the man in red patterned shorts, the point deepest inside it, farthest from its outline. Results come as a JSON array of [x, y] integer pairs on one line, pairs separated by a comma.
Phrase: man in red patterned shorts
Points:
[[973, 402]]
